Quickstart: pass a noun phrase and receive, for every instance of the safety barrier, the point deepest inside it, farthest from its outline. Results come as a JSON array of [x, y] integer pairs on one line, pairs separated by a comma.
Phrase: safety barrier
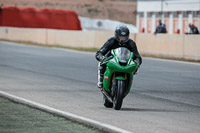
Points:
[[162, 45], [39, 18], [170, 46]]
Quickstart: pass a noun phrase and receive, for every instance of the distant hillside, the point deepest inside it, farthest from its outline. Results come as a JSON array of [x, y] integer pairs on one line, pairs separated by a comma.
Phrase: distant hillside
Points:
[[121, 10]]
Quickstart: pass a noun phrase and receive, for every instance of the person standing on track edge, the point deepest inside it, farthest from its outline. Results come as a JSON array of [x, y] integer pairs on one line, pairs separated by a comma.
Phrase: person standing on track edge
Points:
[[121, 39]]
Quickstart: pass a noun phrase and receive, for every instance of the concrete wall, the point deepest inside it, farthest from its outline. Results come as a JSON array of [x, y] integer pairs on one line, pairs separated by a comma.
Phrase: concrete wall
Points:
[[191, 47], [172, 46], [164, 45], [71, 38], [23, 34], [160, 45], [91, 39]]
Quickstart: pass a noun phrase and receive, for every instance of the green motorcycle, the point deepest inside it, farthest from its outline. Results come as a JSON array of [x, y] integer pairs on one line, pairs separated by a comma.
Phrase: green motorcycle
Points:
[[118, 77]]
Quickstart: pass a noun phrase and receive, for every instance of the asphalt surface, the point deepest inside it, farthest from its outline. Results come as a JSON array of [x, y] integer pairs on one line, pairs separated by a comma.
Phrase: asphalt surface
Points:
[[165, 96]]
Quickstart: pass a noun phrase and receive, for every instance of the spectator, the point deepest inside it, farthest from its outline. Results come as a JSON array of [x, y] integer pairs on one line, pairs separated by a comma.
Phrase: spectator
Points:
[[193, 29], [161, 28]]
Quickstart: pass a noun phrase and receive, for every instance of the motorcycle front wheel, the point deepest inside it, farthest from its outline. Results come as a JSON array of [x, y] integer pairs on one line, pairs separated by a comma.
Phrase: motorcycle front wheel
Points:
[[119, 94]]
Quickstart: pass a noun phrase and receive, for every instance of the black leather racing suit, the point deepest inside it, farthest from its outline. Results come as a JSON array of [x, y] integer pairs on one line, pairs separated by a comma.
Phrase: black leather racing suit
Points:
[[112, 43]]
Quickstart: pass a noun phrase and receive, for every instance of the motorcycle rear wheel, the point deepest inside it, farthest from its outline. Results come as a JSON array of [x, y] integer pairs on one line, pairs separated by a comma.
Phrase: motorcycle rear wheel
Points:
[[119, 94]]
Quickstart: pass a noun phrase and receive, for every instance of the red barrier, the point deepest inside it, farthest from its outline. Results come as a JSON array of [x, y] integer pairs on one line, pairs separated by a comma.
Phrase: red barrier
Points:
[[43, 18]]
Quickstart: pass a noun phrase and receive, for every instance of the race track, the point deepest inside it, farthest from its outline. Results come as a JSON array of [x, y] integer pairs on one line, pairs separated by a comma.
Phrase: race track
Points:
[[165, 96]]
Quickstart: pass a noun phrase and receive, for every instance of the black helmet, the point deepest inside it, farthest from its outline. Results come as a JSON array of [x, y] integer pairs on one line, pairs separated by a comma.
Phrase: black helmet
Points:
[[122, 31]]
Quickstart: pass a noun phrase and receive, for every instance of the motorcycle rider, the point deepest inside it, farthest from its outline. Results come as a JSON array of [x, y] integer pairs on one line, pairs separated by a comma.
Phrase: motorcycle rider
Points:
[[121, 39]]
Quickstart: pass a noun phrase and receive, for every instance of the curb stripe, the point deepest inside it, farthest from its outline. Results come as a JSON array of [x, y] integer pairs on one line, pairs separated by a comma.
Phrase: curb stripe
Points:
[[85, 121]]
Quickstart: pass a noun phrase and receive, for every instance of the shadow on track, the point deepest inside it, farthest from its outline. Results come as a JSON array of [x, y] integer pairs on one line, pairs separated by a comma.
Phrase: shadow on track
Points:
[[148, 110]]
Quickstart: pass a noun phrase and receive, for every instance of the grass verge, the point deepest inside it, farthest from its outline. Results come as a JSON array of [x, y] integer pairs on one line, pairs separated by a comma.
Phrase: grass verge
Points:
[[18, 118]]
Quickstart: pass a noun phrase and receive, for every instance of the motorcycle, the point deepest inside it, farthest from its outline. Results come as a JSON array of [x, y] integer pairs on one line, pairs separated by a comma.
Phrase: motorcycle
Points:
[[118, 77]]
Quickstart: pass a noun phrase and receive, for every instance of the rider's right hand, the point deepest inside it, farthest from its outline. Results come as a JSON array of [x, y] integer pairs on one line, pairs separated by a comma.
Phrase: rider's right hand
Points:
[[102, 58]]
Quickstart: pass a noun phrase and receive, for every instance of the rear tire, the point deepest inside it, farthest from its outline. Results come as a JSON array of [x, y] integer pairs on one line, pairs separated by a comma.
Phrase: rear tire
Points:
[[119, 94], [107, 103]]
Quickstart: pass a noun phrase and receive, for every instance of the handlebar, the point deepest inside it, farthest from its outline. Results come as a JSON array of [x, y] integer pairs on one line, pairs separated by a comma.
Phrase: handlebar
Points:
[[106, 60]]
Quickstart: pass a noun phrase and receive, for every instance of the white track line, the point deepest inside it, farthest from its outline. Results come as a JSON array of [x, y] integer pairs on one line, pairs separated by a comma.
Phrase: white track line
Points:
[[174, 61], [89, 122]]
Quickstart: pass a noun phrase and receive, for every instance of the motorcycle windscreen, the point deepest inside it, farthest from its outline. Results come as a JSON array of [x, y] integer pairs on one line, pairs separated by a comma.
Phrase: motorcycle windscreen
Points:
[[123, 54]]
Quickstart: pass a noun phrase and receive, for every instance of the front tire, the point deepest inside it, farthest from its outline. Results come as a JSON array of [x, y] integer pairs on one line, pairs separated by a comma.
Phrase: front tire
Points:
[[119, 94]]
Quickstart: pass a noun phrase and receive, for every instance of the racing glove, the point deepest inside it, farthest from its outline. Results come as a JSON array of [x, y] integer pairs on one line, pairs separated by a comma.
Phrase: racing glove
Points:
[[101, 58]]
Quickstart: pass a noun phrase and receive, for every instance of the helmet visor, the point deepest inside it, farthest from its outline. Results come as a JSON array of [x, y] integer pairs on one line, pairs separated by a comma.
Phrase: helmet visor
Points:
[[122, 38]]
